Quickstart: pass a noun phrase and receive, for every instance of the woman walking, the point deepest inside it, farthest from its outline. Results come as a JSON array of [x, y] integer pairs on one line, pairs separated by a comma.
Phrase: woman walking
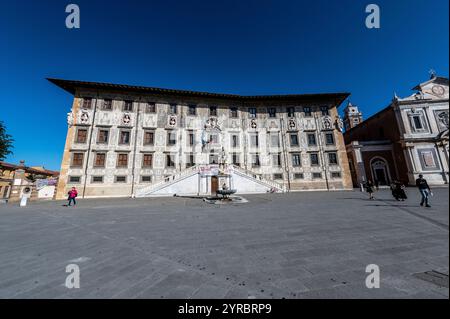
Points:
[[369, 189], [72, 195]]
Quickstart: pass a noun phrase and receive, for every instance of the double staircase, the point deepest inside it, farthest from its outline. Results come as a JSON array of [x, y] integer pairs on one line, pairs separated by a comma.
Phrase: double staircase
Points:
[[165, 185]]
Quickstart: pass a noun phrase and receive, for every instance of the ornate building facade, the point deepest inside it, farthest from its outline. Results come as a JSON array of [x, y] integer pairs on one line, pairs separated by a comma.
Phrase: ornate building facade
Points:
[[131, 141], [407, 138]]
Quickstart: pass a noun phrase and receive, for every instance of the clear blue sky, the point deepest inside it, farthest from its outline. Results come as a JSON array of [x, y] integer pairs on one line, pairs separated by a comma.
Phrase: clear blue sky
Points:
[[233, 46]]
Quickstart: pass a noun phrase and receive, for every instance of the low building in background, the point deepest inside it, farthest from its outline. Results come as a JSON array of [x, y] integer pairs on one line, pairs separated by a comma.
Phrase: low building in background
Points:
[[407, 138], [14, 178], [127, 141]]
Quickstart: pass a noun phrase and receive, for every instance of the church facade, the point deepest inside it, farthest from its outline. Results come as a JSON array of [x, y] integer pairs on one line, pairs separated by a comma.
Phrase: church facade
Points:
[[407, 138], [132, 141]]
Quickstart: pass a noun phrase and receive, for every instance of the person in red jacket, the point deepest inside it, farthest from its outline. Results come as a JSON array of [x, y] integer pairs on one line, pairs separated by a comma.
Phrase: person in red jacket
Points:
[[72, 195]]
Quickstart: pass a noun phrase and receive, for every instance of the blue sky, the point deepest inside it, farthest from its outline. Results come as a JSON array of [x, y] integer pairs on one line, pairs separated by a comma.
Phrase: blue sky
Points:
[[234, 46]]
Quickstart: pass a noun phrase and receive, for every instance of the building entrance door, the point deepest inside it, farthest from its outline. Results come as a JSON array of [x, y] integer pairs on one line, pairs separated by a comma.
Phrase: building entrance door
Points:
[[214, 185], [380, 172], [380, 175]]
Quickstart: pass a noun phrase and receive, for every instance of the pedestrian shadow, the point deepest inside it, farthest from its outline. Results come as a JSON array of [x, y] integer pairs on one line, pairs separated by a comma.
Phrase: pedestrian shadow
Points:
[[390, 205]]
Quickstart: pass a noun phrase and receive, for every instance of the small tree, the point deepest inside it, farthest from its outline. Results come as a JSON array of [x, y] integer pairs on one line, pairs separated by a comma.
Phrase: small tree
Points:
[[6, 141]]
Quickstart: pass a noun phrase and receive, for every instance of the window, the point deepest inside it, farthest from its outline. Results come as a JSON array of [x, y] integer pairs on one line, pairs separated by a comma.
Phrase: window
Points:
[[100, 159], [255, 160], [171, 138], [77, 159], [324, 110], [107, 104], [102, 137], [97, 179], [191, 138], [291, 111], [213, 111], [274, 140], [213, 159], [294, 139], [87, 103], [214, 138], [147, 160], [173, 109], [332, 159], [254, 140], [335, 175], [277, 176], [312, 139], [150, 107], [298, 176], [124, 137], [190, 160], [272, 112], [146, 179], [252, 112], [316, 175], [233, 112], [74, 179], [149, 138], [314, 157], [307, 111], [276, 159], [296, 160], [170, 160], [428, 159], [120, 179], [128, 106], [236, 159], [122, 160], [329, 138], [192, 110], [81, 136], [417, 122], [234, 141]]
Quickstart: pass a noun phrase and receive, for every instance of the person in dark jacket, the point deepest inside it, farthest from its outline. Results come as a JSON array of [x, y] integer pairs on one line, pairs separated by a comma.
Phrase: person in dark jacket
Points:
[[424, 190], [369, 188], [398, 191]]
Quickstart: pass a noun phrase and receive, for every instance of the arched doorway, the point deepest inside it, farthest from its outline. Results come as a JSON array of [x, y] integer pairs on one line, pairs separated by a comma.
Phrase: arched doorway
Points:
[[380, 171]]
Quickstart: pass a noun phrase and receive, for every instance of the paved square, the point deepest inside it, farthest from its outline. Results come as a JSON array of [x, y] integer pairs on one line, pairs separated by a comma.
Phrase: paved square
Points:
[[297, 245]]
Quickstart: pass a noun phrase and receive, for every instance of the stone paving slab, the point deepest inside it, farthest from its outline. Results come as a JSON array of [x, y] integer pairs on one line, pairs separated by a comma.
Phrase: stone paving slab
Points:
[[296, 245]]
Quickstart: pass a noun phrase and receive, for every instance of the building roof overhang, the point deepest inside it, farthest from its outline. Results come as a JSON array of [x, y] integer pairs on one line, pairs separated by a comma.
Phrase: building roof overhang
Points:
[[72, 86]]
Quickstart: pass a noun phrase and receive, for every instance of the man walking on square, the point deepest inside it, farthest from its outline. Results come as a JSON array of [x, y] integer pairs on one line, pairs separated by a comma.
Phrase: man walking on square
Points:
[[424, 190]]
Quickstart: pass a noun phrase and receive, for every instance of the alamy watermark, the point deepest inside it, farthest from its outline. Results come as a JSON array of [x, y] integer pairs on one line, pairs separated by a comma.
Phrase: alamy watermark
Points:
[[73, 279], [373, 19], [373, 279], [73, 19]]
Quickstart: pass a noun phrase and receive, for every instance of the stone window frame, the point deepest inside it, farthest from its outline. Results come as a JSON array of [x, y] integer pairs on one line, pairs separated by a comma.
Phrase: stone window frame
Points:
[[307, 111], [150, 108], [325, 110], [169, 135], [294, 164], [170, 160], [252, 112], [120, 137], [290, 111], [96, 165], [98, 136], [256, 144], [255, 160], [236, 156], [234, 112], [299, 176], [93, 181], [336, 175], [278, 159], [127, 106], [116, 179], [213, 155], [144, 163], [297, 143], [120, 161], [326, 135], [173, 109], [317, 175], [70, 181], [272, 112], [192, 110], [277, 176], [190, 138], [213, 110], [190, 160], [311, 159], [77, 135], [437, 166], [72, 160], [238, 142], [144, 138], [87, 103], [420, 114], [276, 135], [308, 139], [107, 102], [329, 159], [149, 176]]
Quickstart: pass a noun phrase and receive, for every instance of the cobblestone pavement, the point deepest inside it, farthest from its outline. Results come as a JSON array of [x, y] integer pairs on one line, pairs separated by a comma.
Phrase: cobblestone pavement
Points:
[[296, 245]]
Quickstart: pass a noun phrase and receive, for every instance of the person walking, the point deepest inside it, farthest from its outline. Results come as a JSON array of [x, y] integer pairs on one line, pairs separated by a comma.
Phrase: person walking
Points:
[[369, 189], [72, 195], [398, 191], [424, 190]]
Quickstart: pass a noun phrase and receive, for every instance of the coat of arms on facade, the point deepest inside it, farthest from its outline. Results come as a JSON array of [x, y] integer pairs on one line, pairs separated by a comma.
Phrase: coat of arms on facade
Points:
[[253, 124], [84, 117], [172, 121], [340, 124], [327, 123], [212, 123], [291, 124], [126, 119], [70, 118]]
